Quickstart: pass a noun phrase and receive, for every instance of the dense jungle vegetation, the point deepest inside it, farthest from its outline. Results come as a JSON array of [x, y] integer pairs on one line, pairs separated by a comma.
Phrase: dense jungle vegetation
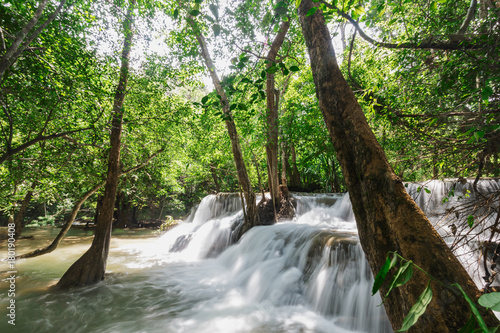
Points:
[[425, 72]]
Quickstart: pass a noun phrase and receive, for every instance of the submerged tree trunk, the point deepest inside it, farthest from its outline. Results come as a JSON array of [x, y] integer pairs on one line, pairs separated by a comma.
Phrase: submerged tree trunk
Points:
[[387, 218], [90, 268], [272, 96], [243, 178]]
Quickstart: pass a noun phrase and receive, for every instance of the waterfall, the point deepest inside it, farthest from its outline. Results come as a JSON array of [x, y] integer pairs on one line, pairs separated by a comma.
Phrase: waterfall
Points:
[[304, 275], [463, 217]]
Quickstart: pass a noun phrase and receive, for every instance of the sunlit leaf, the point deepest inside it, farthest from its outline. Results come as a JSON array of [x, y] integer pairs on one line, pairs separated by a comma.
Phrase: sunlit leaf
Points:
[[311, 11], [470, 221], [490, 301], [417, 309]]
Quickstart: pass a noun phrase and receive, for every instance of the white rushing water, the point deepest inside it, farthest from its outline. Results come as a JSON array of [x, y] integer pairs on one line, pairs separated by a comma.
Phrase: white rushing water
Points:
[[305, 275]]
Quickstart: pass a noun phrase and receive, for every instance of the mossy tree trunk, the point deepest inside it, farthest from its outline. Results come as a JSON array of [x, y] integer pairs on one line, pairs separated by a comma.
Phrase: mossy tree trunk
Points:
[[387, 218]]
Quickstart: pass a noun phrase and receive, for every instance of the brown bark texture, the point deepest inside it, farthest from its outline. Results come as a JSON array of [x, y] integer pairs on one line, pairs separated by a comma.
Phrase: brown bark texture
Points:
[[90, 268], [272, 97], [386, 216], [243, 178]]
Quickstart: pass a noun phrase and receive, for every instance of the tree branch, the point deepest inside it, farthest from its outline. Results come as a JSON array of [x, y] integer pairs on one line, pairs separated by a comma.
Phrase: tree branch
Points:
[[16, 48], [470, 15], [452, 45], [9, 153]]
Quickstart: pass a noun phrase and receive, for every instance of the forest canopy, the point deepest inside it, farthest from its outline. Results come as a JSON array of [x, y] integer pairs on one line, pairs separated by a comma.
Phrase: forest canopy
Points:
[[426, 74]]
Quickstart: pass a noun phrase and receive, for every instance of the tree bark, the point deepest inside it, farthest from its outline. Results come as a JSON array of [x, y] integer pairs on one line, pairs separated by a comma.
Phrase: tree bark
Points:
[[386, 216], [272, 96], [19, 217], [295, 181], [243, 178], [90, 268]]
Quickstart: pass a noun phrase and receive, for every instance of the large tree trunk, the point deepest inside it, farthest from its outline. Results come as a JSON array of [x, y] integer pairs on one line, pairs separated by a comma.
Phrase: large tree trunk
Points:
[[243, 179], [272, 96], [387, 218], [90, 268], [295, 181]]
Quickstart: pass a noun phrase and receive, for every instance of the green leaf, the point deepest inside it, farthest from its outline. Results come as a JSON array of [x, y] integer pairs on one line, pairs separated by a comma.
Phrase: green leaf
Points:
[[470, 326], [242, 106], [417, 309], [276, 27], [176, 14], [434, 6], [194, 12], [263, 74], [470, 221], [311, 11], [216, 29], [294, 68], [297, 3], [215, 10], [490, 301], [286, 72], [427, 190], [473, 308], [209, 18], [402, 276], [379, 279], [271, 70], [198, 1], [204, 100], [486, 93]]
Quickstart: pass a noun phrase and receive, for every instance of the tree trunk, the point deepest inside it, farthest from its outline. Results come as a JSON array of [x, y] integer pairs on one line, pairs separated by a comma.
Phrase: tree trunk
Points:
[[76, 208], [272, 96], [90, 268], [243, 178], [19, 217], [386, 216], [67, 225], [213, 170], [125, 212], [295, 181]]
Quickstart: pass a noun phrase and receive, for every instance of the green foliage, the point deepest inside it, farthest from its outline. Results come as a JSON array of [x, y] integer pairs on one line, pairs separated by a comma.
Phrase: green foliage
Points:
[[404, 274]]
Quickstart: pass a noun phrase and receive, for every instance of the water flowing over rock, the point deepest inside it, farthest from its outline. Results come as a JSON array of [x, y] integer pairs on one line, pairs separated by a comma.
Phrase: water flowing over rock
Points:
[[304, 275]]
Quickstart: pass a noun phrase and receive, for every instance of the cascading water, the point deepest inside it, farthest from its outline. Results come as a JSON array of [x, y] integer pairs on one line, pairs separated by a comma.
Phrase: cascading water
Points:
[[463, 216], [305, 275]]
